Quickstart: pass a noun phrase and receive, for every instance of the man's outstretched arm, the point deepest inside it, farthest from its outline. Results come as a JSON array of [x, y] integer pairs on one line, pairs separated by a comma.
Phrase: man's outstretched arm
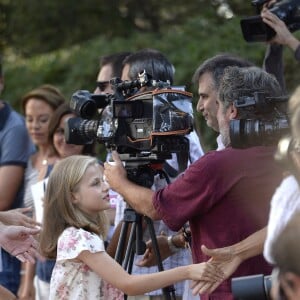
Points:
[[229, 258]]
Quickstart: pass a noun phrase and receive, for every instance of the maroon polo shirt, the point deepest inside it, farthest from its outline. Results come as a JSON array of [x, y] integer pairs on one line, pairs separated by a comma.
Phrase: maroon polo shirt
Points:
[[225, 196]]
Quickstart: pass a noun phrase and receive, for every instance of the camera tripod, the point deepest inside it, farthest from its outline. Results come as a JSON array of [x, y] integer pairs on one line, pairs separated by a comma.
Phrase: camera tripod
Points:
[[136, 245]]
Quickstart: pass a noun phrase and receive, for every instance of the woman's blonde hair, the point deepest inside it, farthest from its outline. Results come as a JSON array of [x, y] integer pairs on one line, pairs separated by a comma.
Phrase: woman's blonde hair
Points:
[[59, 210]]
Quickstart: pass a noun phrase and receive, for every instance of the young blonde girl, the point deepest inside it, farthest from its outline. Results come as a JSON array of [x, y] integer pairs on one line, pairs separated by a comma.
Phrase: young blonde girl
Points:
[[74, 229]]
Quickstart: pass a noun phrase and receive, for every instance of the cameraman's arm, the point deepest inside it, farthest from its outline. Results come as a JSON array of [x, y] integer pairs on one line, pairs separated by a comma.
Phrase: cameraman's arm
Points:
[[228, 259], [138, 197], [251, 246], [273, 63], [283, 35]]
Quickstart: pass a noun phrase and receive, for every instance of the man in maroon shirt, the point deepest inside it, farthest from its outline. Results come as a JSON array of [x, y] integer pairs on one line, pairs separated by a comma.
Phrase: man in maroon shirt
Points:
[[225, 195]]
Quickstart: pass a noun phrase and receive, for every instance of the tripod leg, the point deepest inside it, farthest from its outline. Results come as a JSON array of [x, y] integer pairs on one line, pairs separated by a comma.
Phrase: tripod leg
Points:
[[129, 249], [170, 289], [129, 218], [121, 242], [129, 254]]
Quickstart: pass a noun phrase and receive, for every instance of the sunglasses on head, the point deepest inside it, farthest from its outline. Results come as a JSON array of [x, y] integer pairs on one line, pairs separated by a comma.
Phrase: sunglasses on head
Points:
[[102, 85]]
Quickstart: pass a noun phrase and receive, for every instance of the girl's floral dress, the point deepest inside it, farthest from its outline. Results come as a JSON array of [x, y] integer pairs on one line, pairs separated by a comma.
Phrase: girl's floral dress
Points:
[[75, 280]]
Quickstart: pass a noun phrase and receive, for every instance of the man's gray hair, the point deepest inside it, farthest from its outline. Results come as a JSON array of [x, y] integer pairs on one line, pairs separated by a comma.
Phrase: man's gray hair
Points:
[[237, 82], [216, 65]]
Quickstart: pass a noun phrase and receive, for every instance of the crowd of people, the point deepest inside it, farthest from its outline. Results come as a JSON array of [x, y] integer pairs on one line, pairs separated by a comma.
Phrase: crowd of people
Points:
[[218, 215]]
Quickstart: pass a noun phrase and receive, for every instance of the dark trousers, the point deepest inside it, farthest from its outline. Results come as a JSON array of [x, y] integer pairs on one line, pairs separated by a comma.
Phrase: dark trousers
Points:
[[10, 275]]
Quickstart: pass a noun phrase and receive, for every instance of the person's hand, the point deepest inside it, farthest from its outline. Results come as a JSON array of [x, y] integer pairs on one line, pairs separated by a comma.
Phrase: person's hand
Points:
[[19, 242], [206, 274], [224, 260], [283, 35], [149, 257], [17, 217], [115, 173], [269, 4]]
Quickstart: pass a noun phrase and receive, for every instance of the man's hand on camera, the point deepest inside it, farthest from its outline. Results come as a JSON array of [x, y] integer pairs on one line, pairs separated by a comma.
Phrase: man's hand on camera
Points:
[[115, 173], [137, 196], [269, 4], [283, 35]]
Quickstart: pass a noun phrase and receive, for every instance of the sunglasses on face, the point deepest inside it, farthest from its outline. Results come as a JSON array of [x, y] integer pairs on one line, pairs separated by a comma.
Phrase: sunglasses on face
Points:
[[102, 85]]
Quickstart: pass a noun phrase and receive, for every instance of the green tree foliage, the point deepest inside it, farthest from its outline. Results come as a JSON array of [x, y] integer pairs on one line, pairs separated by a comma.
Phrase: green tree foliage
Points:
[[31, 27], [35, 26]]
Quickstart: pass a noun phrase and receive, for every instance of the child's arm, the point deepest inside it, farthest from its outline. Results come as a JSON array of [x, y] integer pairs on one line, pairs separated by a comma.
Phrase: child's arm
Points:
[[112, 272], [26, 288]]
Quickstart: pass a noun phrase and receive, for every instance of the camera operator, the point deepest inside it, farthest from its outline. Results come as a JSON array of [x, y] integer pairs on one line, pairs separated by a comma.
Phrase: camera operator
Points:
[[285, 201], [110, 66], [283, 35], [158, 67], [207, 79], [221, 208]]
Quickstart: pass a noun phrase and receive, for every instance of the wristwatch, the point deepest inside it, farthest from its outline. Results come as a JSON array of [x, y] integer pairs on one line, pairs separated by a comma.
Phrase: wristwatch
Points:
[[171, 245]]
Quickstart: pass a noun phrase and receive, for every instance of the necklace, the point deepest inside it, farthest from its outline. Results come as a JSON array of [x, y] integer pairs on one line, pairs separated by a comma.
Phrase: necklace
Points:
[[45, 162]]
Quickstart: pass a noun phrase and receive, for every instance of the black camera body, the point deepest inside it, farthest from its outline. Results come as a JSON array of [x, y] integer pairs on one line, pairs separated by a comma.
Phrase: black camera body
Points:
[[261, 120], [251, 287], [255, 30], [146, 125]]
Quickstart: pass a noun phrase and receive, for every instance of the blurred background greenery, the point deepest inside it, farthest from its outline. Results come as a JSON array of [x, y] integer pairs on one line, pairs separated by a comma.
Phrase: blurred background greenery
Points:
[[60, 41]]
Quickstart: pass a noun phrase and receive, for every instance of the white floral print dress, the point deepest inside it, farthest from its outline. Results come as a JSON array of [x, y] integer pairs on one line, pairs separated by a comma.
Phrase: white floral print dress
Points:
[[75, 280]]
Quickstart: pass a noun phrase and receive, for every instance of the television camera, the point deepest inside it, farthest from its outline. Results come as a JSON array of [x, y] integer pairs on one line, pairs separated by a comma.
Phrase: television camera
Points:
[[255, 30], [261, 120], [144, 120]]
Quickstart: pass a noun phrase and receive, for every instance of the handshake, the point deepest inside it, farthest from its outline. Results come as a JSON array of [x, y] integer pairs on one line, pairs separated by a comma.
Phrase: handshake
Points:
[[220, 266]]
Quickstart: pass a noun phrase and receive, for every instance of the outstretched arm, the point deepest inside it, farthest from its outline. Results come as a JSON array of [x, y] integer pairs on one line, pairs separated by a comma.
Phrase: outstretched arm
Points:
[[112, 272], [18, 241], [229, 258]]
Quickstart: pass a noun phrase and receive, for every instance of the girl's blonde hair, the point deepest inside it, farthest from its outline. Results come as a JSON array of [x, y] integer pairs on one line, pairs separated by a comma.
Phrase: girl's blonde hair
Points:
[[59, 210]]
